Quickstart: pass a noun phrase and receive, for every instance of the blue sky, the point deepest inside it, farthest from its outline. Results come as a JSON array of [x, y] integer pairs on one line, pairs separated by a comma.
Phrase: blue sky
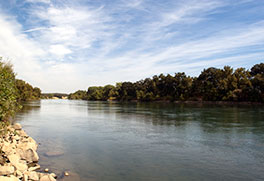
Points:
[[65, 45]]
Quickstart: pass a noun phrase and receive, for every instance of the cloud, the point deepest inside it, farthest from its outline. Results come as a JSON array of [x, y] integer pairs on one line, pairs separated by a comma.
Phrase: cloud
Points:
[[59, 50], [39, 1], [62, 46]]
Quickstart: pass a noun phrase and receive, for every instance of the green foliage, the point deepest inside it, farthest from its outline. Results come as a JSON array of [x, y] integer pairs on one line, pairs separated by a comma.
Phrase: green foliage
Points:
[[212, 84], [8, 92], [257, 80], [12, 92], [95, 93], [80, 94], [26, 92]]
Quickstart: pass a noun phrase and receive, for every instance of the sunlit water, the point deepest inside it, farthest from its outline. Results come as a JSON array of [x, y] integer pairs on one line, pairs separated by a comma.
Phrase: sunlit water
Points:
[[148, 141]]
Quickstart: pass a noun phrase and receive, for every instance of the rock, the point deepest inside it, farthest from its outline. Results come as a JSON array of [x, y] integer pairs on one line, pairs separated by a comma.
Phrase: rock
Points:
[[46, 170], [47, 178], [5, 147], [72, 176], [33, 176], [7, 170], [21, 167], [10, 129], [17, 126], [53, 175], [14, 158], [31, 155], [66, 173], [28, 154], [2, 160], [16, 137], [25, 178], [19, 174], [34, 168], [27, 143], [22, 133], [18, 157], [54, 153], [11, 178], [41, 174]]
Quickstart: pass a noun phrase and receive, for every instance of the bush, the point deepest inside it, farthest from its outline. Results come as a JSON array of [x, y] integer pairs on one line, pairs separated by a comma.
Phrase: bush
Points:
[[8, 92]]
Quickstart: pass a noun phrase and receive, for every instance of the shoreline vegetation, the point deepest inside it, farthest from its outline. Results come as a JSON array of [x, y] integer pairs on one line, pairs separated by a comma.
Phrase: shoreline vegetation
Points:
[[18, 156], [212, 86], [13, 92]]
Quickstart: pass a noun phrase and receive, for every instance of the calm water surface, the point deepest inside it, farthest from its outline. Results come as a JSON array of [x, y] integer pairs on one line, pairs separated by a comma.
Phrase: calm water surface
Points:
[[151, 141]]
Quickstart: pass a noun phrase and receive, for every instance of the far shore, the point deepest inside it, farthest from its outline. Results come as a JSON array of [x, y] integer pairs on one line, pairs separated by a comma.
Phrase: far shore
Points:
[[200, 102]]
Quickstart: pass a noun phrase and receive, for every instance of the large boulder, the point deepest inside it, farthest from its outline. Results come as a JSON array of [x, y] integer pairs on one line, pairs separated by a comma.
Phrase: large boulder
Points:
[[15, 160], [29, 155], [6, 170], [27, 150]]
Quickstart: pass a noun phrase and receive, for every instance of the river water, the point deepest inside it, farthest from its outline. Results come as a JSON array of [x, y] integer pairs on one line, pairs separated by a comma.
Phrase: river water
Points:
[[147, 141]]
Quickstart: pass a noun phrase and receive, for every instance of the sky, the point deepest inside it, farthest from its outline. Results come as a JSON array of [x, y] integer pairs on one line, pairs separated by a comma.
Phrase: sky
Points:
[[66, 45]]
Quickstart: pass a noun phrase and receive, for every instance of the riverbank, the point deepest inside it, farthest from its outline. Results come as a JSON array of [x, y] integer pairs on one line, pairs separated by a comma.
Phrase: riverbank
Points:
[[18, 157]]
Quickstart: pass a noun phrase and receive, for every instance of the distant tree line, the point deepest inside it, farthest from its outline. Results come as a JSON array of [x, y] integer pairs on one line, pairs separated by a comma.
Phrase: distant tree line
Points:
[[13, 91], [213, 84]]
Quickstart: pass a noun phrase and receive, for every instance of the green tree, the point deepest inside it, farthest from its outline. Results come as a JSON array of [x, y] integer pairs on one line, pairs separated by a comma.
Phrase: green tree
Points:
[[80, 94], [95, 93], [8, 92], [26, 92], [257, 79]]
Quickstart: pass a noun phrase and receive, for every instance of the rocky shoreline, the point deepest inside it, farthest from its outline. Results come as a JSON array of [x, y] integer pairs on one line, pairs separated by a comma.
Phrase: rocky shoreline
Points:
[[18, 157]]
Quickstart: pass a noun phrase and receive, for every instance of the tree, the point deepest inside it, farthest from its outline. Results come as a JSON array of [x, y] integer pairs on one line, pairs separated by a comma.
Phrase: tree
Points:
[[8, 92], [257, 79], [95, 93], [26, 92], [80, 94]]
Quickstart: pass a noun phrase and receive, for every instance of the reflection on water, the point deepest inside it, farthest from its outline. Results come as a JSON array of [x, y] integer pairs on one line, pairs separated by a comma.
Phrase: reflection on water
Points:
[[148, 141]]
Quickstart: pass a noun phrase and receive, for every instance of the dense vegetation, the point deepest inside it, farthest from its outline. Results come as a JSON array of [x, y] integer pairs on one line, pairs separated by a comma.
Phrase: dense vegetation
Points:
[[8, 92], [26, 92], [13, 92], [212, 84]]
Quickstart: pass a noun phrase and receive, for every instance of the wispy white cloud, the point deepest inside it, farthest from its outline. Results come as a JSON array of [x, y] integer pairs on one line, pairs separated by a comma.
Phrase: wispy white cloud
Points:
[[39, 1], [71, 45]]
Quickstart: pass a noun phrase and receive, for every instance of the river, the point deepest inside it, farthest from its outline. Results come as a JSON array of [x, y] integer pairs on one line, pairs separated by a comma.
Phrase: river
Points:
[[147, 141]]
